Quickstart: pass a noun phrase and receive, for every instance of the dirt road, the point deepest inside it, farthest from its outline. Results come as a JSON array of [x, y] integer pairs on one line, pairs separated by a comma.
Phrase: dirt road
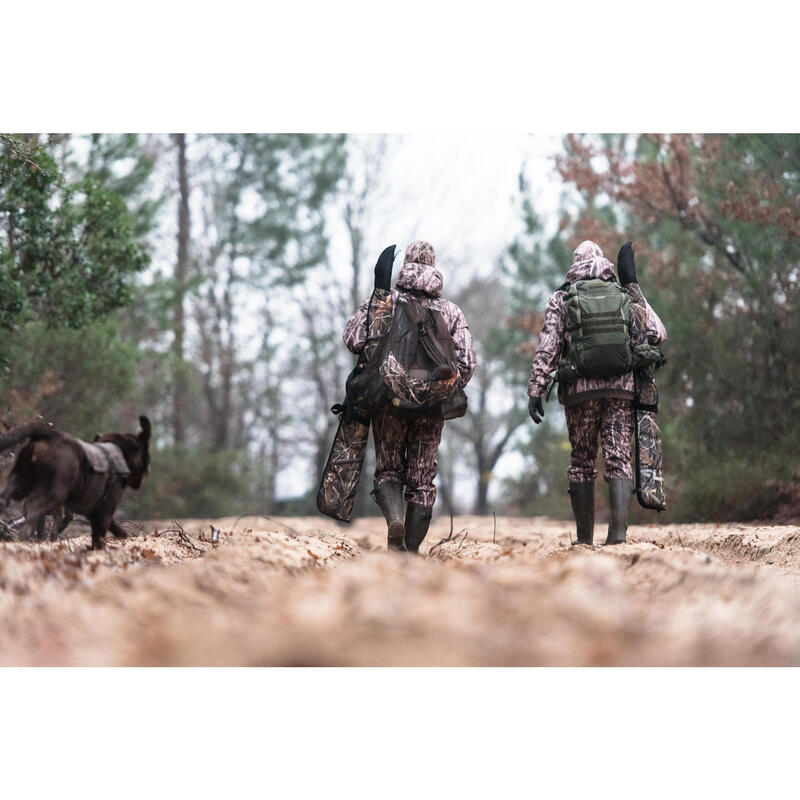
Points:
[[305, 592]]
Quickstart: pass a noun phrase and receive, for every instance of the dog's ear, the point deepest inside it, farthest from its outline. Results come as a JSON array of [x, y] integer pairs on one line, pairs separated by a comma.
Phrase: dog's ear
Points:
[[144, 436]]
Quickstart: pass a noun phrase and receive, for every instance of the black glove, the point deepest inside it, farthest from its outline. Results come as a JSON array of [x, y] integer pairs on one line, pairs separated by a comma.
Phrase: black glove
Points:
[[383, 268], [626, 267], [535, 409]]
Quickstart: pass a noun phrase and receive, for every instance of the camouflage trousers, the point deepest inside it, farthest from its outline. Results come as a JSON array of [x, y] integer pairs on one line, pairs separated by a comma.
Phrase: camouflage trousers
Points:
[[612, 420], [405, 453]]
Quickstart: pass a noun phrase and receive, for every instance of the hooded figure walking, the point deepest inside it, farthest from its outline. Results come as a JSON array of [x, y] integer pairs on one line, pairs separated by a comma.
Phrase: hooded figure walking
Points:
[[595, 406], [406, 449]]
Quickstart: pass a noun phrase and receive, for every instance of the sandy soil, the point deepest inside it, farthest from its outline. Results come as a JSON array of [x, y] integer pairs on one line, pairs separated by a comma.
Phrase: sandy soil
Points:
[[307, 592]]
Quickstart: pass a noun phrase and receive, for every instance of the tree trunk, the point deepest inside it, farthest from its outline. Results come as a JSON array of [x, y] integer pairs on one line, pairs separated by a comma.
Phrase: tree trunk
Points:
[[446, 484], [482, 494], [180, 394], [274, 468]]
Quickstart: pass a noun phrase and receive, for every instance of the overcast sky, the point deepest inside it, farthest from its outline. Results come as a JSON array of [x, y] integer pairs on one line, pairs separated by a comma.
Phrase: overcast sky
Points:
[[458, 191]]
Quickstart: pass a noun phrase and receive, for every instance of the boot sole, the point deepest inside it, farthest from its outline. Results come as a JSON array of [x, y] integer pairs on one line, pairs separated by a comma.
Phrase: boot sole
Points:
[[397, 535]]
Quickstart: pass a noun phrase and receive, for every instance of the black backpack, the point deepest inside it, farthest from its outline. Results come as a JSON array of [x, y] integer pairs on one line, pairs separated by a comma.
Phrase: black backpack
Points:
[[414, 372]]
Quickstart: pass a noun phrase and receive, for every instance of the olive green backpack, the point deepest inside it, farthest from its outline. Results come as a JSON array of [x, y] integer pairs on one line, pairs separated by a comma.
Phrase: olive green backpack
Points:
[[599, 315]]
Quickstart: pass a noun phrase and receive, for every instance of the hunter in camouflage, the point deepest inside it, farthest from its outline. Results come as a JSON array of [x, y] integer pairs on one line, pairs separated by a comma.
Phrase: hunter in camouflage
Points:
[[595, 407], [406, 449]]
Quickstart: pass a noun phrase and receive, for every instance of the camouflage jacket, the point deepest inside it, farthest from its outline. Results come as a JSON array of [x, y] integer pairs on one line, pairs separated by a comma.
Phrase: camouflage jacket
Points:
[[588, 262], [425, 282]]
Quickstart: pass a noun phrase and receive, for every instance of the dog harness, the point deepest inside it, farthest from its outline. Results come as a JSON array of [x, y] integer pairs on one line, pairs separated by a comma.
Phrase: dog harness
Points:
[[105, 457]]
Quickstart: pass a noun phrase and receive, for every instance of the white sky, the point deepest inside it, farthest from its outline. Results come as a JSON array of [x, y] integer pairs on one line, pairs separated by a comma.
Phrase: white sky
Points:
[[458, 192]]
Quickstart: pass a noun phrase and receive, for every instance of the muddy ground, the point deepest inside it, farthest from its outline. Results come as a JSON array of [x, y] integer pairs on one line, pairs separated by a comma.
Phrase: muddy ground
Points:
[[308, 592]]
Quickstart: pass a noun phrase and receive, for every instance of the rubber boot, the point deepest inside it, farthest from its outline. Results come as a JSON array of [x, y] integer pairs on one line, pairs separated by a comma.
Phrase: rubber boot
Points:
[[581, 496], [620, 491], [389, 497], [418, 518]]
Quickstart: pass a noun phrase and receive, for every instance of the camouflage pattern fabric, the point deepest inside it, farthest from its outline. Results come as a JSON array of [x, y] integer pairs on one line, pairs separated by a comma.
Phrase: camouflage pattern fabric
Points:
[[610, 419], [646, 327], [337, 490], [420, 252], [421, 278], [405, 453], [414, 389], [650, 490], [587, 263], [406, 449], [379, 306], [649, 461]]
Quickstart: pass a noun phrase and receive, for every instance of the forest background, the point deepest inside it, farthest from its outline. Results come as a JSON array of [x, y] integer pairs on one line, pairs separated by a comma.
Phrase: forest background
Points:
[[205, 279]]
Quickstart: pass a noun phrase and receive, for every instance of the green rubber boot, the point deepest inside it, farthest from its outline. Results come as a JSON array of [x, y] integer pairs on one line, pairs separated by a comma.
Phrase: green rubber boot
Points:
[[620, 491], [418, 519], [389, 497], [581, 496]]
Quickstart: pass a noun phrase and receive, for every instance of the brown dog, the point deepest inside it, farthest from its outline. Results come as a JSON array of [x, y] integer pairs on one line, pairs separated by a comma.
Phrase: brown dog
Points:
[[53, 475]]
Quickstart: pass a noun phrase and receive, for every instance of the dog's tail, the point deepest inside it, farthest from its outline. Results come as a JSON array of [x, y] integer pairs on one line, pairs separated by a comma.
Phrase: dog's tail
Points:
[[33, 430]]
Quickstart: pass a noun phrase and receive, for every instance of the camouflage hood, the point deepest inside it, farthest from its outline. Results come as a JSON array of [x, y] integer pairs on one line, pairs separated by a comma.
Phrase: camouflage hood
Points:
[[588, 262], [419, 273]]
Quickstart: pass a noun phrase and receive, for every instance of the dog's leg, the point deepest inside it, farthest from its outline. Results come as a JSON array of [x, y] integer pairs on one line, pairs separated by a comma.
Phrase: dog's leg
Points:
[[117, 530], [30, 530], [40, 526], [61, 519], [37, 506], [7, 493], [99, 527], [65, 521]]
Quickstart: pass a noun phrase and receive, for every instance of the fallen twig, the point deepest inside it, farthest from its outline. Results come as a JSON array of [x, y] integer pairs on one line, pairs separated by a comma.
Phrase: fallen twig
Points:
[[239, 519], [291, 530], [446, 539], [449, 537], [185, 539], [189, 543], [136, 525], [264, 516]]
